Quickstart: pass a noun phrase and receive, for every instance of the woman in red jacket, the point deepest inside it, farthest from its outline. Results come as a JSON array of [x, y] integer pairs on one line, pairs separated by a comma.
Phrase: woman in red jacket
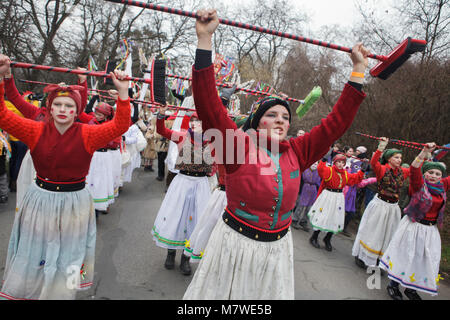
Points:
[[414, 253], [51, 251], [328, 211], [250, 253]]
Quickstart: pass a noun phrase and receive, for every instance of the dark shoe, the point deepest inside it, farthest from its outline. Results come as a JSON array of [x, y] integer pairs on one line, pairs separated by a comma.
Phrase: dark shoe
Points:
[[328, 246], [185, 266], [394, 293], [346, 233], [360, 263], [151, 169], [160, 178], [13, 186], [412, 294], [314, 242], [296, 225], [170, 260], [3, 199], [304, 227]]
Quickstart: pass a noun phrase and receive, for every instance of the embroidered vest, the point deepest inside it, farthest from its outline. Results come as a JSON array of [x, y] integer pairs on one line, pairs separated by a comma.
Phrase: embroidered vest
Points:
[[193, 157], [389, 186], [421, 203]]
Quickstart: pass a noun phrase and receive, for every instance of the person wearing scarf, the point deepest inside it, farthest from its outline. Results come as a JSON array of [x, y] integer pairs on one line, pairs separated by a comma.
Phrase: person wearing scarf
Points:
[[250, 252], [187, 195], [382, 215], [328, 211], [414, 253], [51, 251]]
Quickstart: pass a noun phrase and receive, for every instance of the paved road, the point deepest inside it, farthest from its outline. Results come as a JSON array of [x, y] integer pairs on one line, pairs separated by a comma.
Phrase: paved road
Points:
[[130, 267]]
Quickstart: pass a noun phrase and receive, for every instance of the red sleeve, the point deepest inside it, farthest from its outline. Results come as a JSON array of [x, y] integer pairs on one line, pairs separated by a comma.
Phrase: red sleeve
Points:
[[446, 183], [97, 136], [315, 144], [213, 115], [29, 110], [355, 178], [84, 95], [85, 118], [376, 165], [26, 130], [172, 135], [415, 180], [323, 170]]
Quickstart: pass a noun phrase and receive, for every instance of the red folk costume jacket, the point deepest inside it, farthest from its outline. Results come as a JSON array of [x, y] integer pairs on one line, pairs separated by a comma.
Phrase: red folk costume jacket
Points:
[[263, 194], [66, 157], [334, 178]]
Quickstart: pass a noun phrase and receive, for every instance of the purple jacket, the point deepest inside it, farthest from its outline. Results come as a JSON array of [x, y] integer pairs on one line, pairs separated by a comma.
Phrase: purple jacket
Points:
[[311, 183]]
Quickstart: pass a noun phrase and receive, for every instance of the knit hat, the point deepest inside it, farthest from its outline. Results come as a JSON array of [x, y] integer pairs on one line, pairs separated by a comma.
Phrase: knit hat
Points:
[[105, 109], [388, 154], [361, 149], [339, 157], [240, 120], [428, 165], [73, 91], [260, 108]]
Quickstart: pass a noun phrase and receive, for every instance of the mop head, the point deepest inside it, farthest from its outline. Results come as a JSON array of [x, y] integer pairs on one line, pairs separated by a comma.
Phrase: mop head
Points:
[[312, 97], [158, 87], [397, 57]]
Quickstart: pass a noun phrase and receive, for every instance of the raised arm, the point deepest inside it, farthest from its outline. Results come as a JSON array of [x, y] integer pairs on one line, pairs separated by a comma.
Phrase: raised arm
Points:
[[165, 132], [29, 110], [207, 101], [26, 130], [97, 136], [315, 144]]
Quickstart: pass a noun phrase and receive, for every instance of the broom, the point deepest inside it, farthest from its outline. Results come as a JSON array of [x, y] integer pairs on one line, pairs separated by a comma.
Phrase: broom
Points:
[[387, 65]]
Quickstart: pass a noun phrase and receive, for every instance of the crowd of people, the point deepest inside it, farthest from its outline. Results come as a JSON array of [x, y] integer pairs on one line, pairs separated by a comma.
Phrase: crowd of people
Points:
[[70, 155]]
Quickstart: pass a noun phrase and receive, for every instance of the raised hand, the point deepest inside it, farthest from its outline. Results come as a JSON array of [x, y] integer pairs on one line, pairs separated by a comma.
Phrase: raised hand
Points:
[[205, 27], [5, 69], [117, 78]]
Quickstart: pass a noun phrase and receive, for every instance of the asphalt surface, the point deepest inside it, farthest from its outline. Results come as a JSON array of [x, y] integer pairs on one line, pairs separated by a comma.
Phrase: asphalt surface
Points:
[[129, 266]]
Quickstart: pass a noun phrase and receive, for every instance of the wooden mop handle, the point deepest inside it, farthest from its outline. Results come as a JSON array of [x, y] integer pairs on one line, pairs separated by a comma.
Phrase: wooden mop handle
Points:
[[247, 26]]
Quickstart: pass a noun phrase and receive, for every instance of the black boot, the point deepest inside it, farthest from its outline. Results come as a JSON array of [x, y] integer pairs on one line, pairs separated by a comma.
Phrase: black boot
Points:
[[360, 263], [185, 266], [393, 291], [327, 241], [313, 239], [170, 260], [412, 294]]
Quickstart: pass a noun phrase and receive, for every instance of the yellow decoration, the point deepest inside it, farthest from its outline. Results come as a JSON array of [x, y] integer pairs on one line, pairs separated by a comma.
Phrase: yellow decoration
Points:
[[390, 265], [439, 278], [187, 243], [201, 254], [412, 278]]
